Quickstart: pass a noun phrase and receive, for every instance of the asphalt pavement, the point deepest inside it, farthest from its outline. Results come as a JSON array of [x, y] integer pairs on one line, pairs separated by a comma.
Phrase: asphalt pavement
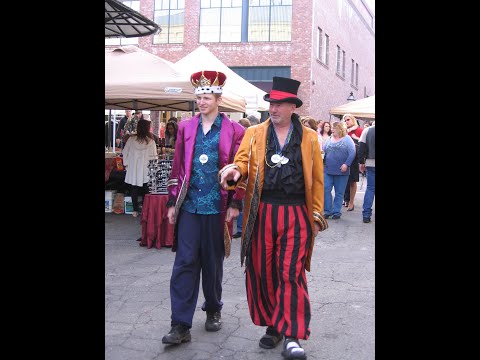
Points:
[[341, 286]]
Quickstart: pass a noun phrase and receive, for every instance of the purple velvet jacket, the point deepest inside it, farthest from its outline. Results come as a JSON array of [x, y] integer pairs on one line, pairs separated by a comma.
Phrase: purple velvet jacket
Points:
[[231, 135]]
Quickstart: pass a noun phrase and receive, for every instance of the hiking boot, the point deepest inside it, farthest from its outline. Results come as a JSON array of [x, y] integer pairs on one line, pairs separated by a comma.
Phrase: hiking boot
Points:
[[213, 322], [178, 333]]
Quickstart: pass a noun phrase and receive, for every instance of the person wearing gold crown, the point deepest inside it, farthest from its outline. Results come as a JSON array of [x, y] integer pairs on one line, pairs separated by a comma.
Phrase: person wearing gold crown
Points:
[[281, 162], [200, 208]]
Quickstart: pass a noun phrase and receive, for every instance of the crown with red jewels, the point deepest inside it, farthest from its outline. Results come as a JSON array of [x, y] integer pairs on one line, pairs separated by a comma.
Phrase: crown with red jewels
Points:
[[208, 82]]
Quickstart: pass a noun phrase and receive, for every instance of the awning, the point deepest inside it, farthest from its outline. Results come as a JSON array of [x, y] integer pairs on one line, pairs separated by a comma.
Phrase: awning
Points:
[[363, 108], [122, 21]]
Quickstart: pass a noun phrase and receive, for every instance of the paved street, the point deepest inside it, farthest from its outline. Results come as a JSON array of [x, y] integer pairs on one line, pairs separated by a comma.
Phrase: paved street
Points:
[[341, 286]]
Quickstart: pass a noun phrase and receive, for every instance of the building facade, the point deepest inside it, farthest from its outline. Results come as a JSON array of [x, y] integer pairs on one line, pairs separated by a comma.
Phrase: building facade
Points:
[[328, 45]]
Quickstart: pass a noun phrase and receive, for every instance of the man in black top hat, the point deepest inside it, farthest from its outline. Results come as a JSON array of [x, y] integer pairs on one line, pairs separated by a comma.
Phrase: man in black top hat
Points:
[[281, 163]]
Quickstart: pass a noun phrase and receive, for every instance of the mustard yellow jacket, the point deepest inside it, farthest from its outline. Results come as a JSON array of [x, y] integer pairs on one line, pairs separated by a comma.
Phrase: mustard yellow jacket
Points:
[[250, 162]]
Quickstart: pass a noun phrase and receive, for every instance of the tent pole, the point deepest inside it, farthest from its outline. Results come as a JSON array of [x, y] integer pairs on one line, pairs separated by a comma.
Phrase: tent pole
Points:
[[193, 108], [114, 129], [109, 127]]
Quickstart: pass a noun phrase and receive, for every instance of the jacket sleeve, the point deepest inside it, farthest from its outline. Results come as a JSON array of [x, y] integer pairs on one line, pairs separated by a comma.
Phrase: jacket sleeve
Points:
[[235, 200], [362, 147], [351, 151], [126, 153], [317, 183], [362, 152], [152, 150], [240, 162], [174, 179]]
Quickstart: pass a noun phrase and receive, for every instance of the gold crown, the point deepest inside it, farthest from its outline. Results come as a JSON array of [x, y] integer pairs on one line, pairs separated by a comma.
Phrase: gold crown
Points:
[[208, 78]]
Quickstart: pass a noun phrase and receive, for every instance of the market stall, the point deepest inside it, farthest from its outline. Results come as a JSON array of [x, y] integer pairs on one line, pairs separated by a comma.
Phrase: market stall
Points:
[[136, 79], [363, 108]]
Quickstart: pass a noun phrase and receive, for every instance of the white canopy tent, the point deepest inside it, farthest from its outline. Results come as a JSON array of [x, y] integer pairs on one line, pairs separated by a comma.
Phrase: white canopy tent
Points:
[[136, 79], [202, 59], [363, 108]]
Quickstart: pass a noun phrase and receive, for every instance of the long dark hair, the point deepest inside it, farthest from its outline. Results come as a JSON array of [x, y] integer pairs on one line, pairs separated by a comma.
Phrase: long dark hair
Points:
[[175, 129], [329, 131], [143, 131]]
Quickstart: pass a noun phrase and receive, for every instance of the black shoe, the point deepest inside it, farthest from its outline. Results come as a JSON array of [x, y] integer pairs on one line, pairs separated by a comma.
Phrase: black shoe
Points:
[[237, 234], [178, 334], [271, 338], [327, 216], [366, 220], [213, 322], [336, 217]]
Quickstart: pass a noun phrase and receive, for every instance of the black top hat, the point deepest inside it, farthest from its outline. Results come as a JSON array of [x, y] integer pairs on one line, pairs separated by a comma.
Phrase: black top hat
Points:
[[284, 90]]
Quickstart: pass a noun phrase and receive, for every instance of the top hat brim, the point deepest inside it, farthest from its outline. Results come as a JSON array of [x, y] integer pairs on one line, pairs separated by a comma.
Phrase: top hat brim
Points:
[[293, 100]]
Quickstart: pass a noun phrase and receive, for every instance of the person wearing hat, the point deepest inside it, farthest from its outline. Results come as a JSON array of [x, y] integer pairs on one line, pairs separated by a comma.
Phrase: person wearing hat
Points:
[[201, 211], [281, 163]]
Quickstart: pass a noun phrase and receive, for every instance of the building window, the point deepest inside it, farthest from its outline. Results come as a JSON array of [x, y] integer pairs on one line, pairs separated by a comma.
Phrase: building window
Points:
[[338, 60], [322, 49], [324, 58], [261, 76], [352, 78], [245, 20], [221, 21], [356, 75], [135, 5], [319, 43], [169, 14], [270, 20]]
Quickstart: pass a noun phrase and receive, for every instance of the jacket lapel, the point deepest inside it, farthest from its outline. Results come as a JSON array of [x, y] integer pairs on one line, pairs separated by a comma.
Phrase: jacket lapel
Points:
[[261, 142], [190, 135], [225, 148]]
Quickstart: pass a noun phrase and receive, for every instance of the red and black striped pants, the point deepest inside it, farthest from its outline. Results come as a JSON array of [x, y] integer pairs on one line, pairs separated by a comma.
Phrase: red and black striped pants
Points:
[[276, 284]]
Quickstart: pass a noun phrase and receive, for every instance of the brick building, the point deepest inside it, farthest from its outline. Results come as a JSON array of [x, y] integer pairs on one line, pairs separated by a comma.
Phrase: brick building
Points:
[[328, 45]]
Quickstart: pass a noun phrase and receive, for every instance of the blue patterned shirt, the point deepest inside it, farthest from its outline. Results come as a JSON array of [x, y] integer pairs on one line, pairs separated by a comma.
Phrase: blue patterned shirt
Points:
[[203, 195]]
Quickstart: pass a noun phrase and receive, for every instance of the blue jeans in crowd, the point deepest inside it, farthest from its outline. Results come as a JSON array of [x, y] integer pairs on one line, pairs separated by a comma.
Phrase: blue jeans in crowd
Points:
[[239, 220], [369, 193], [337, 182]]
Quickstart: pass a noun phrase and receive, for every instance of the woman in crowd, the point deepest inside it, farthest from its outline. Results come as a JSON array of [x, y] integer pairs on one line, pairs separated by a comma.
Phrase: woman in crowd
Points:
[[311, 123], [354, 131], [171, 134], [138, 150], [339, 154], [325, 133]]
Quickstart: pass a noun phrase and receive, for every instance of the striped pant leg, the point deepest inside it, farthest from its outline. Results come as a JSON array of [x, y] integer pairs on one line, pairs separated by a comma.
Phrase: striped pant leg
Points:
[[276, 283]]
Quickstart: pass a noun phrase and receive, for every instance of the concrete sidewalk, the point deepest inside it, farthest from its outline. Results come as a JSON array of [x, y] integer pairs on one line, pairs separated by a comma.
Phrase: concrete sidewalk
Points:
[[341, 287]]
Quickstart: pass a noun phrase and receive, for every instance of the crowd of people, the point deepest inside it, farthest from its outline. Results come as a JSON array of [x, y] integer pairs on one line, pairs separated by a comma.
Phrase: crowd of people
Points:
[[275, 177]]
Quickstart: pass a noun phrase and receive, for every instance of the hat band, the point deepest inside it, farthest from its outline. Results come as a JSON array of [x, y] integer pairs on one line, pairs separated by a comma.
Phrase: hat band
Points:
[[279, 95], [208, 90]]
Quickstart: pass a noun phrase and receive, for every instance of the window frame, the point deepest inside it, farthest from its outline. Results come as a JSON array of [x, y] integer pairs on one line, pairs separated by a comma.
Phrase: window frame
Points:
[[167, 28]]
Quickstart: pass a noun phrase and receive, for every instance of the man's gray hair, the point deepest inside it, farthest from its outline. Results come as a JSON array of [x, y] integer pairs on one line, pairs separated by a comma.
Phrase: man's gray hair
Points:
[[253, 119]]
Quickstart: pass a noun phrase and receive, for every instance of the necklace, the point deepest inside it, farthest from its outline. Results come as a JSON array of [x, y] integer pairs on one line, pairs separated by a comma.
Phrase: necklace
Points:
[[278, 158], [203, 158]]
